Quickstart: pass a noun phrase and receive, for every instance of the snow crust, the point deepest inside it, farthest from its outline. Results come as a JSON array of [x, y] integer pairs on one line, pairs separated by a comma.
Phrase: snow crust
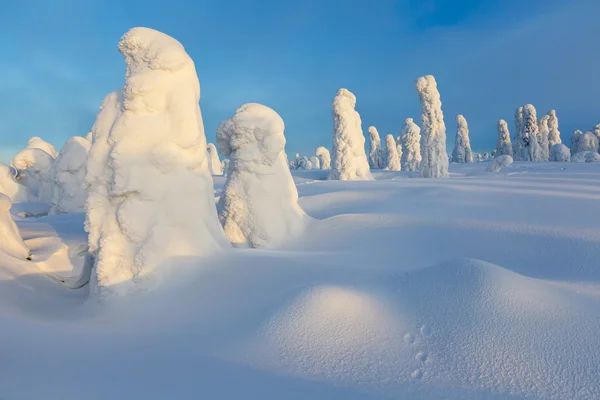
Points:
[[67, 176], [411, 146], [434, 161]]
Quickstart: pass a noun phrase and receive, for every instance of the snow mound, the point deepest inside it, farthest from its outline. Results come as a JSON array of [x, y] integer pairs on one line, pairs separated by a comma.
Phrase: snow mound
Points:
[[34, 172], [499, 162], [11, 242], [463, 324], [39, 143], [67, 175], [560, 153], [259, 206], [9, 185]]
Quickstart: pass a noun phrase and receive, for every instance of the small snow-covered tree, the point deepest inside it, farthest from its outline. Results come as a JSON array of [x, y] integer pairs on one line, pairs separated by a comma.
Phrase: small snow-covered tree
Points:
[[596, 131], [560, 153], [462, 145], [376, 153], [575, 137], [587, 142], [530, 133], [225, 166], [67, 177], [324, 157], [411, 138], [399, 150], [434, 160], [315, 162], [521, 142], [392, 162], [503, 144], [33, 166], [39, 143], [9, 185], [553, 132], [499, 162], [11, 242], [259, 206], [349, 160], [151, 193], [214, 164], [542, 137]]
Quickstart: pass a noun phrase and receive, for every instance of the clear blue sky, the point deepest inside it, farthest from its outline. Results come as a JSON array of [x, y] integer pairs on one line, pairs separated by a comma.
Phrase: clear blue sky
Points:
[[59, 59]]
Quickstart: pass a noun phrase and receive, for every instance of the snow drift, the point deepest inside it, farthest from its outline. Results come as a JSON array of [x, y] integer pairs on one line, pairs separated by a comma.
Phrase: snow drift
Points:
[[67, 177], [499, 162]]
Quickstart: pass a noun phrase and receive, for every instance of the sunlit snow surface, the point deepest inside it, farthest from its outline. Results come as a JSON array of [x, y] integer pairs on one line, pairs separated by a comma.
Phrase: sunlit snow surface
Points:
[[478, 286]]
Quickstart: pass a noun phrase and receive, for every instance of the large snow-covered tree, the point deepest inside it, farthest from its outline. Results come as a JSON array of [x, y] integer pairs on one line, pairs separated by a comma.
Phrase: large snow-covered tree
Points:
[[33, 166], [462, 145], [151, 194], [259, 206], [10, 186], [560, 153], [392, 159], [324, 157], [553, 132], [348, 159], [434, 160], [67, 177], [376, 151], [587, 142], [39, 143], [530, 133], [503, 144], [542, 137], [214, 164], [575, 137], [411, 146], [520, 142], [11, 242]]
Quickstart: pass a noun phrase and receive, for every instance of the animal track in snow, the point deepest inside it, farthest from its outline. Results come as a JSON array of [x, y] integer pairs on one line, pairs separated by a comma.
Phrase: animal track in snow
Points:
[[425, 331], [409, 338], [421, 356]]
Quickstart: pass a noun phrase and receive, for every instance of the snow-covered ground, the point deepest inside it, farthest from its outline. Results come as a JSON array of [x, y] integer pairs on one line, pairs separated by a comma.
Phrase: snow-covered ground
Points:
[[477, 286]]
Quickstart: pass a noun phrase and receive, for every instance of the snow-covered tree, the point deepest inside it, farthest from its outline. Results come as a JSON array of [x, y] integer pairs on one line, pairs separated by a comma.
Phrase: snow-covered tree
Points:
[[530, 133], [553, 132], [150, 191], [521, 142], [259, 206], [575, 137], [376, 152], [462, 145], [503, 144], [315, 162], [324, 157], [9, 185], [411, 146], [225, 166], [349, 160], [587, 142], [67, 177], [214, 164], [499, 162], [39, 143], [596, 131], [592, 157], [542, 137], [33, 166], [302, 162], [11, 242], [392, 159], [434, 160], [399, 150], [560, 153]]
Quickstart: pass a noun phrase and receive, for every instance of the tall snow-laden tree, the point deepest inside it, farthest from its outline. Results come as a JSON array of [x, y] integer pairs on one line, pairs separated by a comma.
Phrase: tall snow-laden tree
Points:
[[348, 160], [11, 242], [39, 143], [392, 162], [462, 145], [324, 157], [587, 142], [553, 132], [411, 144], [259, 206], [575, 137], [530, 133], [150, 191], [34, 166], [521, 142], [376, 152], [542, 137], [67, 177], [434, 160], [214, 164], [503, 144]]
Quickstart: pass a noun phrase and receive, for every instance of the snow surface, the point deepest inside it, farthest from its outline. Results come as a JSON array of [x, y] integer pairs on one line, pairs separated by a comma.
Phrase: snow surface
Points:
[[478, 286], [434, 160], [34, 166]]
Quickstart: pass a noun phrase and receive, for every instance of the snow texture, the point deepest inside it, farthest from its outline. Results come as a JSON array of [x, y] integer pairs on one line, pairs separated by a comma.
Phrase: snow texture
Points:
[[67, 177], [499, 162], [411, 146], [560, 153], [349, 160], [554, 133], [11, 242], [503, 145], [39, 143], [214, 164], [151, 193], [33, 166], [392, 158], [324, 157], [377, 156], [315, 163], [9, 185], [462, 145], [575, 137], [259, 206], [587, 142], [434, 160], [543, 137]]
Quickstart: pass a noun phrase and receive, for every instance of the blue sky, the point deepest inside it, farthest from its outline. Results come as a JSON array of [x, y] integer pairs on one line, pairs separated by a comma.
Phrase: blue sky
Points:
[[59, 60]]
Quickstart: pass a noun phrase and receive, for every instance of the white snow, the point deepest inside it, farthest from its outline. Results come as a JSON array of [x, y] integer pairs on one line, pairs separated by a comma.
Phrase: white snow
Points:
[[150, 189], [33, 166], [503, 144], [315, 162], [499, 162], [554, 133], [377, 156], [9, 185], [392, 159], [324, 157], [348, 160], [521, 142], [259, 205], [11, 243], [587, 142], [39, 143], [411, 146], [67, 176], [214, 164], [575, 137], [434, 161], [543, 137], [462, 145], [561, 153], [531, 132]]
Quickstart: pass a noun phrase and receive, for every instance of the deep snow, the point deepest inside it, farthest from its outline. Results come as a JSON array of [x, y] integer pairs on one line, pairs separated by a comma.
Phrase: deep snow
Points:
[[476, 286]]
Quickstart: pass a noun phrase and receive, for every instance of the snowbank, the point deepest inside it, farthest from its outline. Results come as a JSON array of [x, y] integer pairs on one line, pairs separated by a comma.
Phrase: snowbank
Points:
[[324, 157], [151, 193], [259, 206], [349, 160], [560, 153], [11, 242], [499, 162], [392, 159], [39, 143], [67, 177], [9, 185], [434, 160], [411, 146], [503, 144], [34, 172], [214, 164]]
